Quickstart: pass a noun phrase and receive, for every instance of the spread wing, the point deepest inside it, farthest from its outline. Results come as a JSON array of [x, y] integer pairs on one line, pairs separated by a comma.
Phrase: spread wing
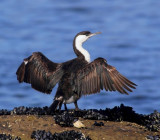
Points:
[[99, 75], [40, 72]]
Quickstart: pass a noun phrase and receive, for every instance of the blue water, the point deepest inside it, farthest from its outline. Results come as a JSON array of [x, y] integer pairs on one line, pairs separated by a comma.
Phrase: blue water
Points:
[[130, 41]]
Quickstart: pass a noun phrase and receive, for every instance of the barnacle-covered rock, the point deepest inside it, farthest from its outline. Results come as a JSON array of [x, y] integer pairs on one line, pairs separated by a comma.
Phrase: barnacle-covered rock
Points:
[[8, 137], [118, 113], [156, 137], [4, 112], [41, 135], [66, 135], [98, 123], [70, 135], [94, 114], [30, 111], [152, 121], [65, 119]]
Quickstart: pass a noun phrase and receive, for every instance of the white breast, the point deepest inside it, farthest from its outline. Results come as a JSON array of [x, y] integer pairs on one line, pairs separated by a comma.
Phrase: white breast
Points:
[[70, 100], [78, 43]]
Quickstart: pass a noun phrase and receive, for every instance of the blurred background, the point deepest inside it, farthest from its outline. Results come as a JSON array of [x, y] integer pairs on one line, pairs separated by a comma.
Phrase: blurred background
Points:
[[130, 41]]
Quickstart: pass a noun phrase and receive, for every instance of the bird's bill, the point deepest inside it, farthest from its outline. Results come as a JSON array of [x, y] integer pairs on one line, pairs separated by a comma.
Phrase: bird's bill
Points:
[[92, 34]]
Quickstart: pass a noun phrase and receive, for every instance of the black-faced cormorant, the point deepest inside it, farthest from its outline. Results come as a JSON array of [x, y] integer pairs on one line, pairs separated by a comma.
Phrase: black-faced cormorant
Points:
[[75, 77]]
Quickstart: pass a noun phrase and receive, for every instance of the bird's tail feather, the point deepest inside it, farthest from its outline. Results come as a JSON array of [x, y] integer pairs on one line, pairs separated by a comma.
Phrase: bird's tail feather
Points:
[[54, 105]]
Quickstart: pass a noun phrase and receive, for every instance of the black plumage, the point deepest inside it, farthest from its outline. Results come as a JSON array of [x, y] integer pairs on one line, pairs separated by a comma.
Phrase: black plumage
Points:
[[76, 77], [40, 72]]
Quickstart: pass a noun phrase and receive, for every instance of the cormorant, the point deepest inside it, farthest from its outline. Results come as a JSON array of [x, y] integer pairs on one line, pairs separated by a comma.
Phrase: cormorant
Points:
[[75, 77]]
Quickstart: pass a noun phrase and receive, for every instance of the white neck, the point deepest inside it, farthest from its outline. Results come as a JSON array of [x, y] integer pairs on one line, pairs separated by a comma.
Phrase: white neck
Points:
[[78, 45]]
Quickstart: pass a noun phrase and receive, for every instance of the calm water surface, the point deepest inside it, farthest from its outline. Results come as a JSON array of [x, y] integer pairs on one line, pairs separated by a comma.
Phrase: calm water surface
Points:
[[130, 41]]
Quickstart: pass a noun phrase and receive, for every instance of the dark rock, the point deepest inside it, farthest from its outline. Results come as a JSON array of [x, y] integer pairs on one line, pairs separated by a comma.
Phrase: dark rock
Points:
[[120, 113], [65, 119], [41, 135], [79, 113], [30, 111], [8, 137], [157, 137], [70, 135], [98, 124], [152, 121], [4, 112], [94, 114], [66, 135]]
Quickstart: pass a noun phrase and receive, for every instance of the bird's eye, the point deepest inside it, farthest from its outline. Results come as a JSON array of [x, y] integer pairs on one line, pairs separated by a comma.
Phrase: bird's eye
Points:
[[88, 33]]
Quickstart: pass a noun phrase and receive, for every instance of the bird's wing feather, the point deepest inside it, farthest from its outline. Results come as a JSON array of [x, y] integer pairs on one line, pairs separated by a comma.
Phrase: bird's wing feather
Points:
[[98, 75], [40, 72]]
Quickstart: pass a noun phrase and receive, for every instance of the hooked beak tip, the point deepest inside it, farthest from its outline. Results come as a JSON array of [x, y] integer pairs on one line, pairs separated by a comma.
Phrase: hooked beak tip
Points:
[[98, 33], [92, 34]]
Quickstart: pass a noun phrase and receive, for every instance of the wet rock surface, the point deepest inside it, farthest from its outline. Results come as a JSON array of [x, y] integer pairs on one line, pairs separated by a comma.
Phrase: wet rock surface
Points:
[[120, 113], [66, 135]]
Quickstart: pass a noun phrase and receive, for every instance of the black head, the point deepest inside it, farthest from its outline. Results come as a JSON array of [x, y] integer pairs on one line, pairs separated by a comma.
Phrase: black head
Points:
[[84, 35], [87, 33]]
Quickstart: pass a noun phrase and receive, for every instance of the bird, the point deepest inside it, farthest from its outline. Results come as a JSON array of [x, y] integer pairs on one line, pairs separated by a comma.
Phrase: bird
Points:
[[75, 78]]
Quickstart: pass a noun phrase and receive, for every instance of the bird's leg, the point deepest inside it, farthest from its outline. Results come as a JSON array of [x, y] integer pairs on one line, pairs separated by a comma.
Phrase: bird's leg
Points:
[[57, 102], [76, 106], [60, 105], [53, 106], [65, 106]]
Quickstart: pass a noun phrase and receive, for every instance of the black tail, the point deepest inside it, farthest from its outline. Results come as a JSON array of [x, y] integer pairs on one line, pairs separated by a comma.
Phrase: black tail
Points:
[[54, 105]]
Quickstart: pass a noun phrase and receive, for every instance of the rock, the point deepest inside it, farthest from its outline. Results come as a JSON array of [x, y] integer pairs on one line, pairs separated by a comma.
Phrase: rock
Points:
[[78, 124], [66, 135], [98, 124], [65, 119], [8, 137]]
